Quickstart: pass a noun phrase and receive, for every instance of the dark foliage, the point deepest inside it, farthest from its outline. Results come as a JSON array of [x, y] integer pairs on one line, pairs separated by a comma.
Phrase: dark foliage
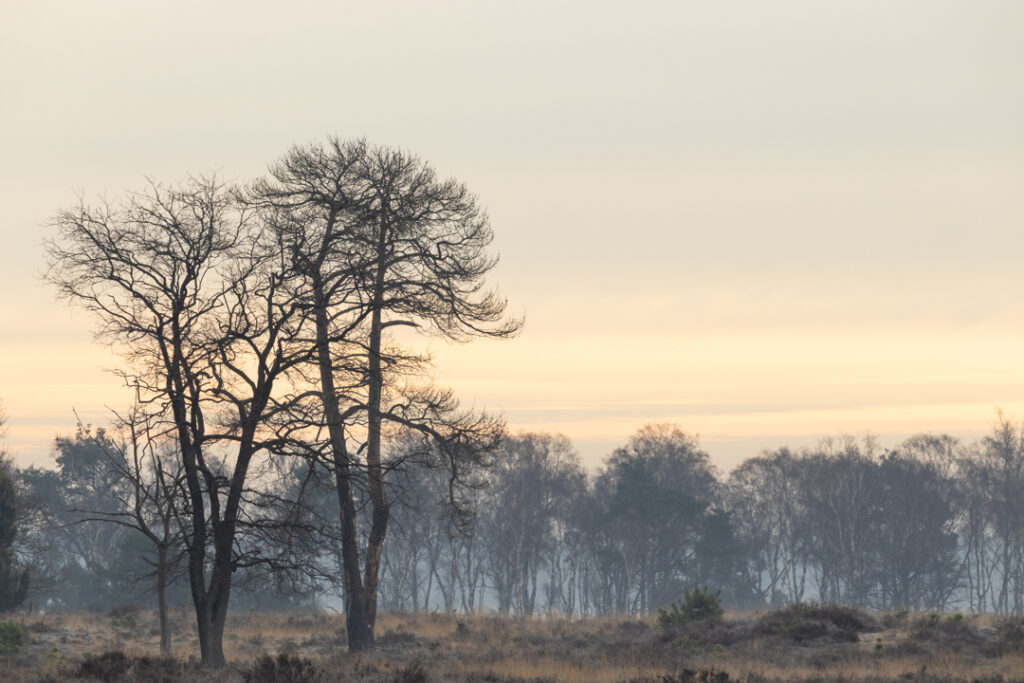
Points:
[[107, 667], [115, 666], [284, 668], [13, 582], [951, 632], [12, 637], [697, 604], [807, 623], [1010, 635]]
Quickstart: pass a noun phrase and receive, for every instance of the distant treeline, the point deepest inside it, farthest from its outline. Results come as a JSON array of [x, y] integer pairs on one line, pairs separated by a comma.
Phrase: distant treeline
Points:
[[931, 524]]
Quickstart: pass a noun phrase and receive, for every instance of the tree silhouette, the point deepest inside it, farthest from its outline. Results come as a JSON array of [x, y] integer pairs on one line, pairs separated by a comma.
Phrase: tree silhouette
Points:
[[190, 290], [379, 242], [13, 582]]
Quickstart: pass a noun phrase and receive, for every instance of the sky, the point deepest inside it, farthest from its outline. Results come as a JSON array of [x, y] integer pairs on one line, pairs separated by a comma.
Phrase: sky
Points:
[[767, 222]]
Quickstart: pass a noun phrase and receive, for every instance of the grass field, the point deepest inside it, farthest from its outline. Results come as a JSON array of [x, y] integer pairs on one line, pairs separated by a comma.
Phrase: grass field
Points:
[[804, 643]]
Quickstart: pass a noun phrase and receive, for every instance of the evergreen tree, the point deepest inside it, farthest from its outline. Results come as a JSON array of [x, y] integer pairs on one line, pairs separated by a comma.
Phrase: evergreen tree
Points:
[[13, 583]]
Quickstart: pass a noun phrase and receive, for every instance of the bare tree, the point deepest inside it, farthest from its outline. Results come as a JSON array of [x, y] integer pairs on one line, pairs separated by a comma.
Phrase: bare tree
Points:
[[382, 243], [530, 485], [147, 499], [186, 285], [765, 496], [652, 500]]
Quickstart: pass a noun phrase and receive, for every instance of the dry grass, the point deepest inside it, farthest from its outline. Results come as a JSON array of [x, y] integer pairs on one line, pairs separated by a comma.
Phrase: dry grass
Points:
[[749, 647]]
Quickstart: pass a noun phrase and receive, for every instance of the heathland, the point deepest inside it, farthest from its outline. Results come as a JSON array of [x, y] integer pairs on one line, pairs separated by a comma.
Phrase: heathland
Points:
[[798, 643]]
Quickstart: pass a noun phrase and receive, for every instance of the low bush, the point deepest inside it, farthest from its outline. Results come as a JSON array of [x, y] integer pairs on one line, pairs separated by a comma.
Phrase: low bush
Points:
[[283, 668], [1010, 635], [804, 623], [12, 637], [107, 667], [124, 617], [952, 632], [158, 670], [697, 604]]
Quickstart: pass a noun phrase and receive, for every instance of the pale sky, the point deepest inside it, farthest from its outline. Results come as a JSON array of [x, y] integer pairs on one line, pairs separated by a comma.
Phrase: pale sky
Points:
[[766, 221]]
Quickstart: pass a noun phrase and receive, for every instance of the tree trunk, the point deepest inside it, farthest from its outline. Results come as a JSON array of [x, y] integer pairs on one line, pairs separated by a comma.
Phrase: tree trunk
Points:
[[374, 471], [371, 571], [203, 630], [208, 651], [161, 600], [358, 626], [210, 627], [360, 630]]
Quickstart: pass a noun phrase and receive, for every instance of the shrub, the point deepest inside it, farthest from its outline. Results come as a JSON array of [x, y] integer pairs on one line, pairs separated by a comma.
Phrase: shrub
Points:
[[125, 622], [699, 603], [108, 667], [896, 619], [1010, 635], [284, 668], [685, 644], [953, 632], [12, 637], [803, 623], [158, 670]]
